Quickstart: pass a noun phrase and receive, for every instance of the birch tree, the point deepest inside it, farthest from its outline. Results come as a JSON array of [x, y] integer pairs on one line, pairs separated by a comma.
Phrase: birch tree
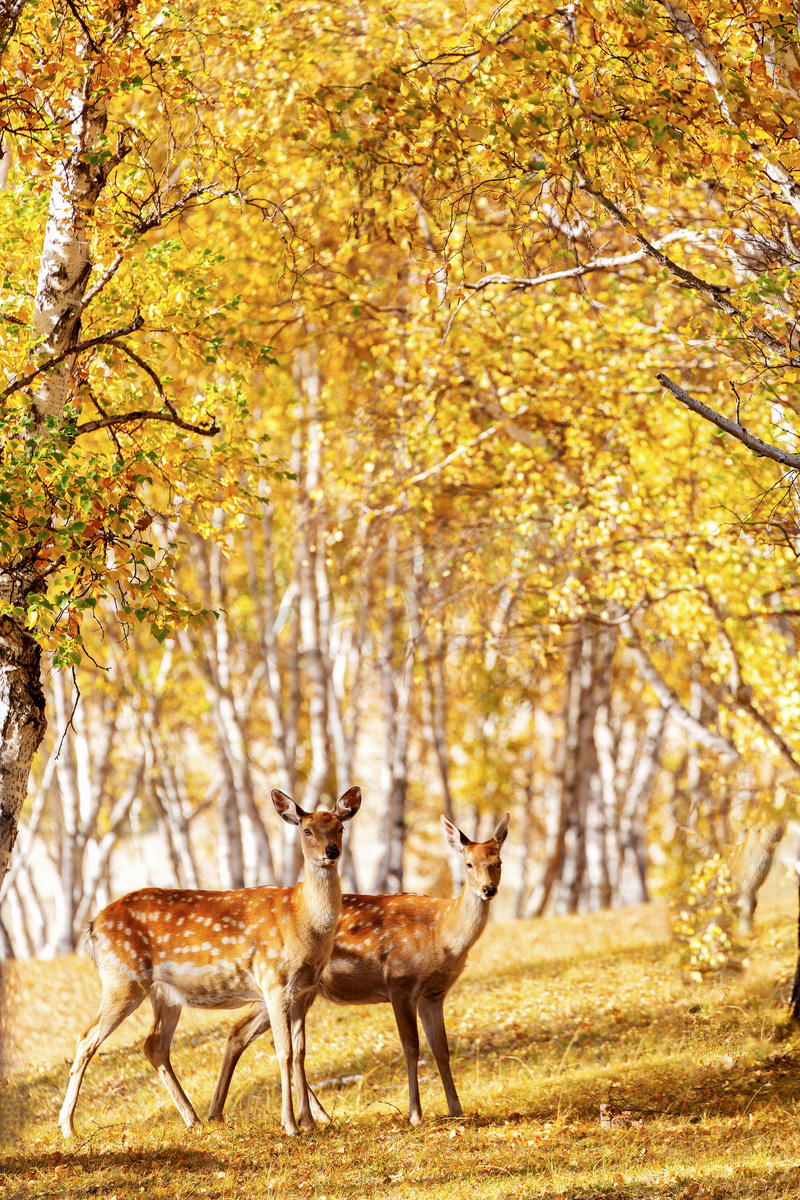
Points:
[[116, 128]]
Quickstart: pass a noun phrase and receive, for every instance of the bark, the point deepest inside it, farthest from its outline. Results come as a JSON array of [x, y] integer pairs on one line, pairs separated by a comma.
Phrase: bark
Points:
[[65, 265], [527, 826], [231, 862], [565, 765], [434, 699], [116, 819], [22, 721], [6, 953], [320, 781], [581, 750], [794, 1000], [30, 911], [64, 271], [62, 939], [633, 822], [246, 836], [389, 855], [19, 924]]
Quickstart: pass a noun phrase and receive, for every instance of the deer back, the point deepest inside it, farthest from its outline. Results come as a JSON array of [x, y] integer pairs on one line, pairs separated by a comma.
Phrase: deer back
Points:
[[213, 949]]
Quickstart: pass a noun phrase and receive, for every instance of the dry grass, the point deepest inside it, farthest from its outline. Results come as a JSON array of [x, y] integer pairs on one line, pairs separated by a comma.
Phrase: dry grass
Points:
[[550, 1020]]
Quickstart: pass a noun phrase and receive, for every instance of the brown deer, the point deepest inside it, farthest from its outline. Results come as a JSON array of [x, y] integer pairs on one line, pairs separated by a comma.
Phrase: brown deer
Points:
[[405, 950], [222, 950], [749, 864]]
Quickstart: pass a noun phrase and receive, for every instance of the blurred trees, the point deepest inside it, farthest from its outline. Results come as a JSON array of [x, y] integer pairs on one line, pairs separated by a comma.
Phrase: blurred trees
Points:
[[489, 564]]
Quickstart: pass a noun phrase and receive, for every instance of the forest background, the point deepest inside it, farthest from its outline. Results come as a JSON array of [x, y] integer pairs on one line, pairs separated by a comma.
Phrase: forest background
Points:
[[347, 356]]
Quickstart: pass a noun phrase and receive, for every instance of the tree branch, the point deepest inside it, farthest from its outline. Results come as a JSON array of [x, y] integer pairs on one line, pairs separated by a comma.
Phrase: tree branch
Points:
[[20, 381], [743, 694], [668, 700], [784, 457], [9, 14], [608, 263], [142, 414], [711, 291], [727, 99]]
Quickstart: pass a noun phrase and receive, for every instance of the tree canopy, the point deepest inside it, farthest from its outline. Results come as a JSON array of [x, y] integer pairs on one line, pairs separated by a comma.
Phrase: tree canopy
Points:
[[417, 351]]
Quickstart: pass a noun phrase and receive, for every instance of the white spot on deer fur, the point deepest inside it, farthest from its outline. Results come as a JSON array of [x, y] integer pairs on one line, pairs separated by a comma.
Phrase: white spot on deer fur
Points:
[[272, 952], [217, 928], [206, 946]]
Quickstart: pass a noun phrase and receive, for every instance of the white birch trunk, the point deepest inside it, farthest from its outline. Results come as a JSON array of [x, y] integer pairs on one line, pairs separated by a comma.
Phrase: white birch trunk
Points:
[[64, 271]]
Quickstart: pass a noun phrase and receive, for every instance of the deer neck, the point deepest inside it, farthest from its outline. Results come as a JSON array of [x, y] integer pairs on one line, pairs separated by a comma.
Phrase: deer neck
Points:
[[465, 921], [320, 898]]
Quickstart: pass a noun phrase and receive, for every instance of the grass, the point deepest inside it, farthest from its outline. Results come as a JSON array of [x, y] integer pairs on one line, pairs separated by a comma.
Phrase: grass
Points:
[[551, 1020]]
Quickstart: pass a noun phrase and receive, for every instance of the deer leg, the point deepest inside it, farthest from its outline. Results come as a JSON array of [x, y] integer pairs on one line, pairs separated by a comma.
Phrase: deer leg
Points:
[[310, 1108], [305, 1117], [317, 1111], [116, 1004], [431, 1013], [405, 1014], [156, 1049], [282, 1036], [245, 1031], [747, 907]]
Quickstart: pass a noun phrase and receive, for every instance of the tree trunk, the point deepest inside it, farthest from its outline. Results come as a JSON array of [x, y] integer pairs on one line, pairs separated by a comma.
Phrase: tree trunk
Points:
[[22, 721], [633, 821], [64, 270]]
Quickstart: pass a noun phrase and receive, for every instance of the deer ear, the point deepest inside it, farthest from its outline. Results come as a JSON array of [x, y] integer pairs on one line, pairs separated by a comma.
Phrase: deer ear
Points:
[[455, 838], [501, 831], [348, 804], [285, 807]]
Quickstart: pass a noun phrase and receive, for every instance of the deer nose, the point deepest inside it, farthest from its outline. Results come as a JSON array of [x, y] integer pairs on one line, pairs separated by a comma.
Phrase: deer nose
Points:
[[489, 890], [332, 852]]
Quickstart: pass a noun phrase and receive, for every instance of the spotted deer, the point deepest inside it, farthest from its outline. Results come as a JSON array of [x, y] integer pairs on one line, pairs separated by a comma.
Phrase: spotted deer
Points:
[[222, 950], [404, 950]]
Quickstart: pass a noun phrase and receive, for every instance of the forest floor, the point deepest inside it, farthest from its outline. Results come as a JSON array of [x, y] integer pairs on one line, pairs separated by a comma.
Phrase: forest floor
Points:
[[550, 1020]]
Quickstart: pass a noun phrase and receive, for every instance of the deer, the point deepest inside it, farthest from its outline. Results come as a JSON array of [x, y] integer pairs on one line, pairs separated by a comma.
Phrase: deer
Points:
[[404, 950], [224, 949], [749, 864]]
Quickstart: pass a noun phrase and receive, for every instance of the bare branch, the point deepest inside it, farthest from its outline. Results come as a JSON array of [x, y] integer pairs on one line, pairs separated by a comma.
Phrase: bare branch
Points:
[[735, 430], [108, 274], [141, 414]]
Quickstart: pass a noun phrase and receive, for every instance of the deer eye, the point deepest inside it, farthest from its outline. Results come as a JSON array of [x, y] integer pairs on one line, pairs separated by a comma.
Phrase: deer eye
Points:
[[470, 867], [307, 832]]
